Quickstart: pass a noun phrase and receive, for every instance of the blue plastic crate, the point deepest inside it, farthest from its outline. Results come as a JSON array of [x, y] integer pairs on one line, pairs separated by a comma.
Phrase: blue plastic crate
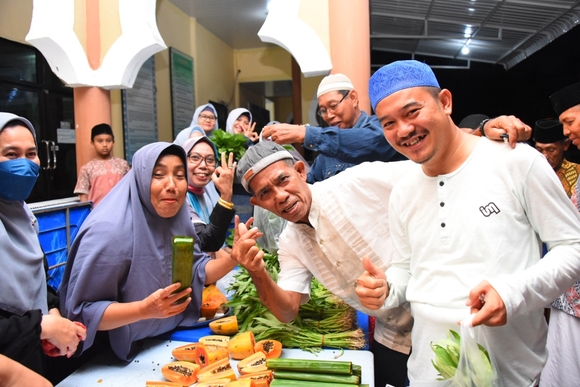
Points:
[[58, 226]]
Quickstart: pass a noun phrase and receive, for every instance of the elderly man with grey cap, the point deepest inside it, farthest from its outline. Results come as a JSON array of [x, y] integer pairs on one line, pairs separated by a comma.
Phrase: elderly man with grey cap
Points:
[[340, 149], [332, 226], [466, 223]]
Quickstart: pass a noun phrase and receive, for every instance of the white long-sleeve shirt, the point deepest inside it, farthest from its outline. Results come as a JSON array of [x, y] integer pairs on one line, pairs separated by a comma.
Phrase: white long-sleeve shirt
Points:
[[484, 221], [349, 221]]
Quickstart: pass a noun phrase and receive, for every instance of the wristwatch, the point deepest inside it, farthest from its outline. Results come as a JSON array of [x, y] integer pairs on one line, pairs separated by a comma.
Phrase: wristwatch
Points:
[[481, 125]]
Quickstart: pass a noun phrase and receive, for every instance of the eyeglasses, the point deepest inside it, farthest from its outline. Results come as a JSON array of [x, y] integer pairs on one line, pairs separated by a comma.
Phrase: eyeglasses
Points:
[[206, 117], [196, 158], [332, 108]]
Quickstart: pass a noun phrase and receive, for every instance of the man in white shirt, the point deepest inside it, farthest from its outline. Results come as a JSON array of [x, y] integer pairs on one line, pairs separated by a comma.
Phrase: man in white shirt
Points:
[[466, 225]]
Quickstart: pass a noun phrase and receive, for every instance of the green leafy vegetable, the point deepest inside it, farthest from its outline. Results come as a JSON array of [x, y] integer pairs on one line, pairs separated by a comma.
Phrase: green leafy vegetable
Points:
[[227, 142], [324, 321]]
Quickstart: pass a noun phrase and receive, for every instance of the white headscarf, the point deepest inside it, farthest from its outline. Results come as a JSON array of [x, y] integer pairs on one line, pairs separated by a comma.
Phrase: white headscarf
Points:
[[233, 116], [183, 136]]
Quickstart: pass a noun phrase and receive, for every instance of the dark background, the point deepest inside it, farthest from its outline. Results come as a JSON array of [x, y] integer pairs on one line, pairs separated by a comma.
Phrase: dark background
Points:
[[523, 90]]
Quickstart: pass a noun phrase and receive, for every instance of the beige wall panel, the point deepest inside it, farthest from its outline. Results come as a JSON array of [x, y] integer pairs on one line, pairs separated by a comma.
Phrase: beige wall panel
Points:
[[174, 26], [214, 69], [263, 64], [15, 18]]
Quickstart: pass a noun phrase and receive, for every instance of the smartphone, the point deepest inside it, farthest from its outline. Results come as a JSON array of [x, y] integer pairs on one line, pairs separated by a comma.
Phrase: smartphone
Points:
[[182, 262]]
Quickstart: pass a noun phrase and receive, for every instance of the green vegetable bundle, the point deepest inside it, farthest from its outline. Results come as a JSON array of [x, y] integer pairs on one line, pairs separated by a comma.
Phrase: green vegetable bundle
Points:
[[319, 373], [325, 321], [227, 142]]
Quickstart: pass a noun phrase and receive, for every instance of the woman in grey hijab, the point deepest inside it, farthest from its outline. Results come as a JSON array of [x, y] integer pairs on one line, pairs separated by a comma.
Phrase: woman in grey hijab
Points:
[[28, 307], [205, 118], [118, 275]]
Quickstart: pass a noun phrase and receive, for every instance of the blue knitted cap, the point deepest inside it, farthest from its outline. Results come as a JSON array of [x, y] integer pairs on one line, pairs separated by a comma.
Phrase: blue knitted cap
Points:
[[399, 75]]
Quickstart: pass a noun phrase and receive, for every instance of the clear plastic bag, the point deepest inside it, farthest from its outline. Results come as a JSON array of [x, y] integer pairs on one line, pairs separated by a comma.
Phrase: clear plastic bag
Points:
[[477, 366], [271, 226]]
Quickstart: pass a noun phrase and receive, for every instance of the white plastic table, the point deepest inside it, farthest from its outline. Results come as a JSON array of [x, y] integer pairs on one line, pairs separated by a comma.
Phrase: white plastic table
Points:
[[106, 370]]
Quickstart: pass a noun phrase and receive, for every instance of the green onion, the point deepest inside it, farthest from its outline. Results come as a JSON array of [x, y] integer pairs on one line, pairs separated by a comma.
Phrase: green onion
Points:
[[316, 377], [300, 383], [315, 366], [324, 321]]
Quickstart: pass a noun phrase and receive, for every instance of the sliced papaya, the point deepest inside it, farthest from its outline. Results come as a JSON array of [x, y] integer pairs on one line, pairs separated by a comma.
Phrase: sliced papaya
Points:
[[155, 383], [213, 295], [271, 348], [241, 345], [241, 383], [261, 379], [253, 363], [209, 354], [225, 326], [214, 383], [182, 372], [221, 369], [185, 352], [219, 340], [208, 310]]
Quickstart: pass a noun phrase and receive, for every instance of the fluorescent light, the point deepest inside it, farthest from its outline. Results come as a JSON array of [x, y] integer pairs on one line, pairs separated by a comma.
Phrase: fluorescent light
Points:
[[468, 32]]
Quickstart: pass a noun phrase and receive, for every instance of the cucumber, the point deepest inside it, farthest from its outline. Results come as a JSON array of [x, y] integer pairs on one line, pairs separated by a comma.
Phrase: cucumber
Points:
[[182, 262]]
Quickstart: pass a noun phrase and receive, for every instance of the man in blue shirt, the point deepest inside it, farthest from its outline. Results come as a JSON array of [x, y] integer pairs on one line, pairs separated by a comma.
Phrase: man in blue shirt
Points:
[[338, 149]]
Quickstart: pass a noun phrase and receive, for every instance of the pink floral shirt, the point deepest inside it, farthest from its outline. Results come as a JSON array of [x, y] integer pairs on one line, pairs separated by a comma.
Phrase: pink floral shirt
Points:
[[98, 177]]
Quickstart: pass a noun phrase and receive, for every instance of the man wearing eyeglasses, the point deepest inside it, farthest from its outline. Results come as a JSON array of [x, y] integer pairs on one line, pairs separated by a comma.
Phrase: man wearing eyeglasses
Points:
[[364, 140], [339, 108]]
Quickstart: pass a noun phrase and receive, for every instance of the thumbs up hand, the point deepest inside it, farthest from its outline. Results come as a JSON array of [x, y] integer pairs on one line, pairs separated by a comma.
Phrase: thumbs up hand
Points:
[[372, 288]]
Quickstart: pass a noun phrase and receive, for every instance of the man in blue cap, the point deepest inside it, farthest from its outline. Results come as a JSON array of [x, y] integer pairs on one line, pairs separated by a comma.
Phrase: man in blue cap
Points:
[[353, 136], [466, 225]]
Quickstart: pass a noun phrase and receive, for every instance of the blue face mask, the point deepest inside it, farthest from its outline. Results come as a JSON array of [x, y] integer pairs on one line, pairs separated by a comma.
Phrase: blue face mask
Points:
[[18, 177]]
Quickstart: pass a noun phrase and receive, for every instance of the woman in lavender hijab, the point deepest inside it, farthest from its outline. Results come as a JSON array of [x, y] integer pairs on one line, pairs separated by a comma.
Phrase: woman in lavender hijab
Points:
[[118, 276]]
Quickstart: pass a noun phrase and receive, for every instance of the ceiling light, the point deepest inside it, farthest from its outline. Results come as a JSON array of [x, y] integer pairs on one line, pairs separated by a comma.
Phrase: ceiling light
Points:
[[468, 32], [471, 9], [465, 50]]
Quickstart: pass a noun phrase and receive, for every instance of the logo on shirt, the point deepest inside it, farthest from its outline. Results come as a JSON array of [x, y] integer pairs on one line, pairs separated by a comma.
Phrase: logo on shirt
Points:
[[489, 209]]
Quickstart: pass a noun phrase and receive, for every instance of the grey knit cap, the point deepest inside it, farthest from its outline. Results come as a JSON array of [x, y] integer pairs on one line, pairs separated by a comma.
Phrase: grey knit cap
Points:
[[257, 158]]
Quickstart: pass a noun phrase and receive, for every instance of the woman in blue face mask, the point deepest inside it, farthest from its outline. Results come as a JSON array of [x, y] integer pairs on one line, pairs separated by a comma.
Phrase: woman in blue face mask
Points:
[[31, 326]]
